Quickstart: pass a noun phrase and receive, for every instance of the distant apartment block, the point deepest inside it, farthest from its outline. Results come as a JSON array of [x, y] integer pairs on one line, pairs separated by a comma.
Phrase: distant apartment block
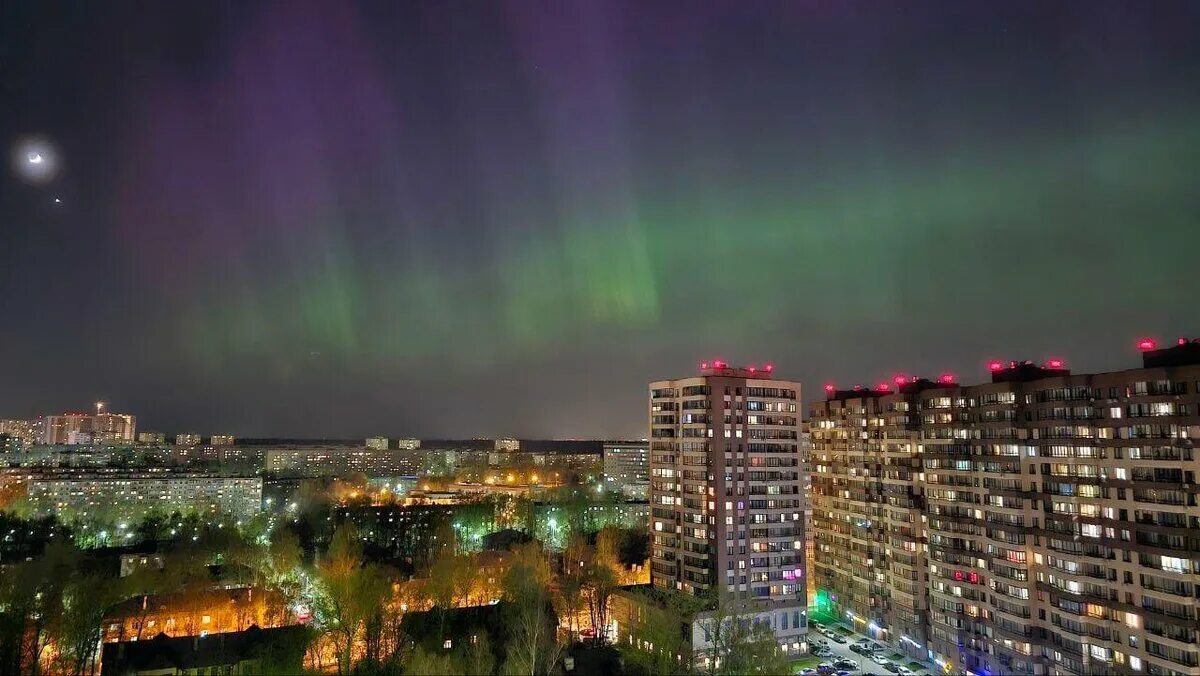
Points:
[[313, 461], [133, 495], [26, 431], [222, 440], [507, 445], [87, 428], [627, 468]]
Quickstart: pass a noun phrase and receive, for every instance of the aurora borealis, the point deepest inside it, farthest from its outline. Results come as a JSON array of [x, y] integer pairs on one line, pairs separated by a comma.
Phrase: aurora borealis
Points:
[[456, 219]]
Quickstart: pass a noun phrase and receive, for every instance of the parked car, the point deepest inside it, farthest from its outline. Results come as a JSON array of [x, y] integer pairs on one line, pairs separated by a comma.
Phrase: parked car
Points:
[[825, 668], [818, 625], [808, 672], [880, 658], [837, 638], [890, 666], [849, 665], [843, 672], [904, 671]]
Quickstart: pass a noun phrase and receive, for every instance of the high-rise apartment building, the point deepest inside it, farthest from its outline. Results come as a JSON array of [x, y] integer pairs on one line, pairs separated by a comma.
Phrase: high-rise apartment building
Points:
[[83, 428], [869, 545], [222, 440], [377, 443], [1060, 515], [187, 439], [726, 491]]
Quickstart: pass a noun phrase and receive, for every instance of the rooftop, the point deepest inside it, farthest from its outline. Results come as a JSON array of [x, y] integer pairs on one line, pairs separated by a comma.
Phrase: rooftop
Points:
[[717, 367]]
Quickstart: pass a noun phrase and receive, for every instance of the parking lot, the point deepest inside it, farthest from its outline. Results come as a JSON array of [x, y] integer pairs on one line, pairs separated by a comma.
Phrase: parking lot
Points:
[[865, 664]]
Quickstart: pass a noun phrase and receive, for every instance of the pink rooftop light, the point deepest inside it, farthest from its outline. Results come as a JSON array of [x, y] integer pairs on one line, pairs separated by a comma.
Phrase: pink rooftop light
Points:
[[995, 365], [1146, 344], [946, 378]]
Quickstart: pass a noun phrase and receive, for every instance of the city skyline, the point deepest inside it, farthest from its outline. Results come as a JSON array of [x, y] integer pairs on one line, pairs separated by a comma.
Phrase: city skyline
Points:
[[334, 220], [880, 381]]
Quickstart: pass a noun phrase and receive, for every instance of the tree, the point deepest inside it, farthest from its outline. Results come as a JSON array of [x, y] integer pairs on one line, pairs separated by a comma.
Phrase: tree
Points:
[[51, 578], [477, 659], [284, 552], [737, 642], [18, 603], [144, 582], [598, 586], [422, 663], [449, 583], [659, 630], [533, 646], [351, 594], [87, 600], [576, 559]]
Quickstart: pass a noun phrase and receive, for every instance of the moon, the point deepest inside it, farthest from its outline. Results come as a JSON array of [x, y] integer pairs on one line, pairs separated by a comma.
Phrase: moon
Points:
[[35, 159]]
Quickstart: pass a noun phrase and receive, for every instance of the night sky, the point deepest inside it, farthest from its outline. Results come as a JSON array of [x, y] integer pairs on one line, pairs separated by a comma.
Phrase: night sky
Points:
[[451, 219]]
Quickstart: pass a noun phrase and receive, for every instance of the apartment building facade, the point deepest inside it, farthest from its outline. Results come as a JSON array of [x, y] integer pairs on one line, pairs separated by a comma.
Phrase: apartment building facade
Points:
[[869, 547], [1059, 514], [134, 495], [627, 468], [726, 482]]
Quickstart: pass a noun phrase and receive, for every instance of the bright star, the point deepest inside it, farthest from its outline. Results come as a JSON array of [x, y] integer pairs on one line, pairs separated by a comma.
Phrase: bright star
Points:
[[35, 160]]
